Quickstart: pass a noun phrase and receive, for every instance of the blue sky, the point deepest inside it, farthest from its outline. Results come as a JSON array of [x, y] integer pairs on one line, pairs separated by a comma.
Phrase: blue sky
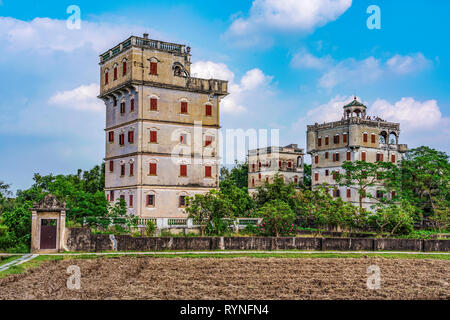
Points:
[[289, 63]]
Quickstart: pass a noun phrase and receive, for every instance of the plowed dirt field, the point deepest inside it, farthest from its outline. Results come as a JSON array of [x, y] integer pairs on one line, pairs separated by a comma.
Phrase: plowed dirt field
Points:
[[232, 278]]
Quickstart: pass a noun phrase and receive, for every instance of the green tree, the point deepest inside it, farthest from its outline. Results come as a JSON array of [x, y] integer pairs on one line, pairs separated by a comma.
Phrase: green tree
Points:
[[393, 219], [426, 180], [209, 211], [238, 175], [278, 218], [307, 177], [277, 190]]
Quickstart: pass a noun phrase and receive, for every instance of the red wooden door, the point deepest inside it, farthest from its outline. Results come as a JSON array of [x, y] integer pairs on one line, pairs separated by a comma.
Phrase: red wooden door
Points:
[[48, 234]]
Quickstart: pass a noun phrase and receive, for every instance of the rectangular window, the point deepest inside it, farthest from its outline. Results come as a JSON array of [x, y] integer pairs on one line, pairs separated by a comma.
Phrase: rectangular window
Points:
[[253, 182], [131, 201], [379, 194], [150, 200], [122, 107], [316, 159], [372, 138], [131, 169], [289, 164], [393, 158], [183, 138], [327, 173], [153, 104], [208, 141], [106, 77], [326, 155], [337, 157], [111, 166], [114, 102], [182, 201], [364, 137], [319, 142], [334, 175], [326, 141], [349, 193], [111, 136], [316, 176], [279, 164], [153, 68], [363, 156], [253, 167], [153, 137], [152, 170], [208, 110], [349, 156], [208, 172], [111, 195], [122, 169], [336, 139], [124, 68], [184, 106], [115, 73], [121, 139], [131, 136], [334, 157], [344, 138], [131, 105], [107, 197], [183, 170]]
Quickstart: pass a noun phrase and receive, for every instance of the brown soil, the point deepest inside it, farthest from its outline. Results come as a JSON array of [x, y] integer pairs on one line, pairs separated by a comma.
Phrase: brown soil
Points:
[[232, 278]]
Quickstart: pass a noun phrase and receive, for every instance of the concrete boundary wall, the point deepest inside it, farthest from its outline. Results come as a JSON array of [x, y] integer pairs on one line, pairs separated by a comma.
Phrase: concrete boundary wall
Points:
[[81, 239]]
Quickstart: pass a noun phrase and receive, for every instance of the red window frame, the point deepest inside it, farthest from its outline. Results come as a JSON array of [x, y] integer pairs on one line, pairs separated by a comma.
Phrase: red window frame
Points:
[[152, 169], [327, 140], [111, 166], [316, 176], [349, 156], [208, 173], [131, 169], [121, 139], [184, 107], [153, 68], [319, 142], [344, 138], [115, 73], [153, 136], [124, 68], [349, 193], [131, 136], [131, 105], [363, 156], [122, 169], [106, 77], [372, 138], [208, 110], [364, 137], [153, 104], [183, 170], [393, 158], [111, 136]]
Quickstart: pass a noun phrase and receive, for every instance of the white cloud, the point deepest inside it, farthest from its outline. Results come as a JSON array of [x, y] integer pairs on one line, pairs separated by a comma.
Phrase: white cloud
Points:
[[45, 34], [408, 64], [358, 71], [285, 15], [251, 82], [305, 60], [411, 114], [83, 98]]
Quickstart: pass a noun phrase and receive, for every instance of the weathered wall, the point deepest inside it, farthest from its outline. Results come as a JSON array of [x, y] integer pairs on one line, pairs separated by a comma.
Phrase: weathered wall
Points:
[[80, 239]]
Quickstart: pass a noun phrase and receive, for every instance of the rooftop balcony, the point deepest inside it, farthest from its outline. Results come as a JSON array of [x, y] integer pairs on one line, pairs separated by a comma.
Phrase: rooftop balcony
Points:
[[134, 41]]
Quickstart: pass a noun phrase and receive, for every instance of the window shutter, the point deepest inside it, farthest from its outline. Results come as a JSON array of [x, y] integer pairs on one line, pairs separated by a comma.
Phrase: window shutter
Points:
[[349, 193], [363, 156], [124, 68], [121, 139], [153, 104], [106, 78], [326, 155], [253, 167], [111, 165], [130, 136], [349, 156], [316, 176], [393, 158], [183, 170], [153, 169], [207, 171], [122, 170], [344, 138], [208, 110], [316, 159], [372, 138], [326, 141], [183, 107], [337, 156], [131, 169], [365, 137], [132, 105], [111, 136], [153, 136], [334, 157], [381, 157], [115, 73], [131, 201], [208, 140], [153, 68], [319, 142]]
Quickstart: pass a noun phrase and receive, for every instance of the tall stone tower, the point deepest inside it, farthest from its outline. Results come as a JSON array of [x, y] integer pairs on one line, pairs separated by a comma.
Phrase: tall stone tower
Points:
[[161, 127], [355, 137]]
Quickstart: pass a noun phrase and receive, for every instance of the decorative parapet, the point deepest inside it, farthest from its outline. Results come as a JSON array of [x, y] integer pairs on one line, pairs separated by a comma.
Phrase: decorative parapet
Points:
[[134, 41], [354, 120], [49, 203]]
